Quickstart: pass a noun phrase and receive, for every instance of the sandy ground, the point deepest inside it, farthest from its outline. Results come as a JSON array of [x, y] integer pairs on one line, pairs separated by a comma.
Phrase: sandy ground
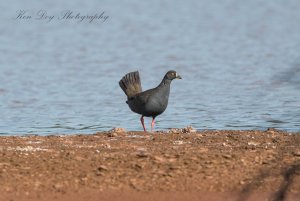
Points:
[[180, 164]]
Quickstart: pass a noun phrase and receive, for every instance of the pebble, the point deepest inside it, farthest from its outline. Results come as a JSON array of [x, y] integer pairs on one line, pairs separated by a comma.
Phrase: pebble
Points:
[[117, 130], [189, 129], [159, 159], [296, 153], [227, 156], [102, 168], [203, 150], [174, 130], [252, 143], [137, 166], [142, 155], [225, 145], [112, 135], [178, 142]]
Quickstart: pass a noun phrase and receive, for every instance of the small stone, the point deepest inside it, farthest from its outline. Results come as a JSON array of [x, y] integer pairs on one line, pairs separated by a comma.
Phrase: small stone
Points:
[[257, 159], [227, 156], [296, 153], [106, 145], [225, 145], [159, 159], [37, 184], [189, 129], [178, 142], [142, 154], [102, 168], [265, 162], [137, 166], [99, 173], [243, 161], [208, 177], [134, 184], [112, 134], [203, 150], [174, 130], [252, 143], [117, 130], [272, 131]]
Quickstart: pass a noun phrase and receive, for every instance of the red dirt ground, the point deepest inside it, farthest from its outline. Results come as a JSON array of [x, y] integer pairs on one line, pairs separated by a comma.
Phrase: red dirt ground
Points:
[[177, 165]]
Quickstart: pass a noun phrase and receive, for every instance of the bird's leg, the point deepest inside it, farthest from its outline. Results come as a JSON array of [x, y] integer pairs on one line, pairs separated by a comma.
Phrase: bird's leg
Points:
[[142, 121], [152, 124]]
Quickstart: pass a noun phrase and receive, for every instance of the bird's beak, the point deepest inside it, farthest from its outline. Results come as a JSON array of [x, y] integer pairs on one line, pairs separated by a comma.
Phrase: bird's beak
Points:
[[178, 76]]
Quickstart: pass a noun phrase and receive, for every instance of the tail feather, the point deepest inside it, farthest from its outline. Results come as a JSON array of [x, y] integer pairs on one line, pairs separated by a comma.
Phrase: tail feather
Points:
[[131, 84]]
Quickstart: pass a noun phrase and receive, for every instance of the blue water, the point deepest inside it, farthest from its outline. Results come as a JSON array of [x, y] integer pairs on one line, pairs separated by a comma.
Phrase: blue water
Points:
[[240, 63]]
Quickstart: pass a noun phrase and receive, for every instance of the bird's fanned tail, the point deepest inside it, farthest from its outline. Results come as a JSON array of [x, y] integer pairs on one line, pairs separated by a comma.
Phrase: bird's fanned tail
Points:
[[131, 84]]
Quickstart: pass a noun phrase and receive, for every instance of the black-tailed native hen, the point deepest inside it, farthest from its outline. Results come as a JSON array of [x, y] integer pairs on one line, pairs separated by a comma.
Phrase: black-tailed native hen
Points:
[[149, 103]]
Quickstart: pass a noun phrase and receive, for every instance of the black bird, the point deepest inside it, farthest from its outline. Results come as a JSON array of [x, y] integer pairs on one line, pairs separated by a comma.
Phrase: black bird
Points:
[[150, 103]]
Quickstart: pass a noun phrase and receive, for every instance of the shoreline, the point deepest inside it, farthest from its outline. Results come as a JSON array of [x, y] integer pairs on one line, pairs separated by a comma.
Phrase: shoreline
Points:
[[119, 164], [162, 131]]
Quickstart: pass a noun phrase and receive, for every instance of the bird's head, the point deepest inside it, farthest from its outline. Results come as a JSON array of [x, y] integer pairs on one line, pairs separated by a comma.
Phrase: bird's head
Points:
[[171, 75]]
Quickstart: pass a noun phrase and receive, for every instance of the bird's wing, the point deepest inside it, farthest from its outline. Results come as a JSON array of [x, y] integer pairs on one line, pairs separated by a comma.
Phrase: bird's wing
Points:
[[143, 97]]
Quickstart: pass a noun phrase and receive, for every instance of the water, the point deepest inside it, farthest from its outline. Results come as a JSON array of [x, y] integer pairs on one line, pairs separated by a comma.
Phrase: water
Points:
[[239, 61]]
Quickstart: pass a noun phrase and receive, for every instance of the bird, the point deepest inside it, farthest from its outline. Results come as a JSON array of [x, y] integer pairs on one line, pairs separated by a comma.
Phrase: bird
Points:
[[149, 103]]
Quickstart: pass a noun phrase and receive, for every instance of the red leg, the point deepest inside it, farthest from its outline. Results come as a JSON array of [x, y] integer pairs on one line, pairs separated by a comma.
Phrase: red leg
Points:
[[152, 124], [142, 121]]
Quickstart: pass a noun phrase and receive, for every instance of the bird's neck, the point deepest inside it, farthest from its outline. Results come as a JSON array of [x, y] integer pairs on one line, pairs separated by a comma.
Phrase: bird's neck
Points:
[[165, 82]]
